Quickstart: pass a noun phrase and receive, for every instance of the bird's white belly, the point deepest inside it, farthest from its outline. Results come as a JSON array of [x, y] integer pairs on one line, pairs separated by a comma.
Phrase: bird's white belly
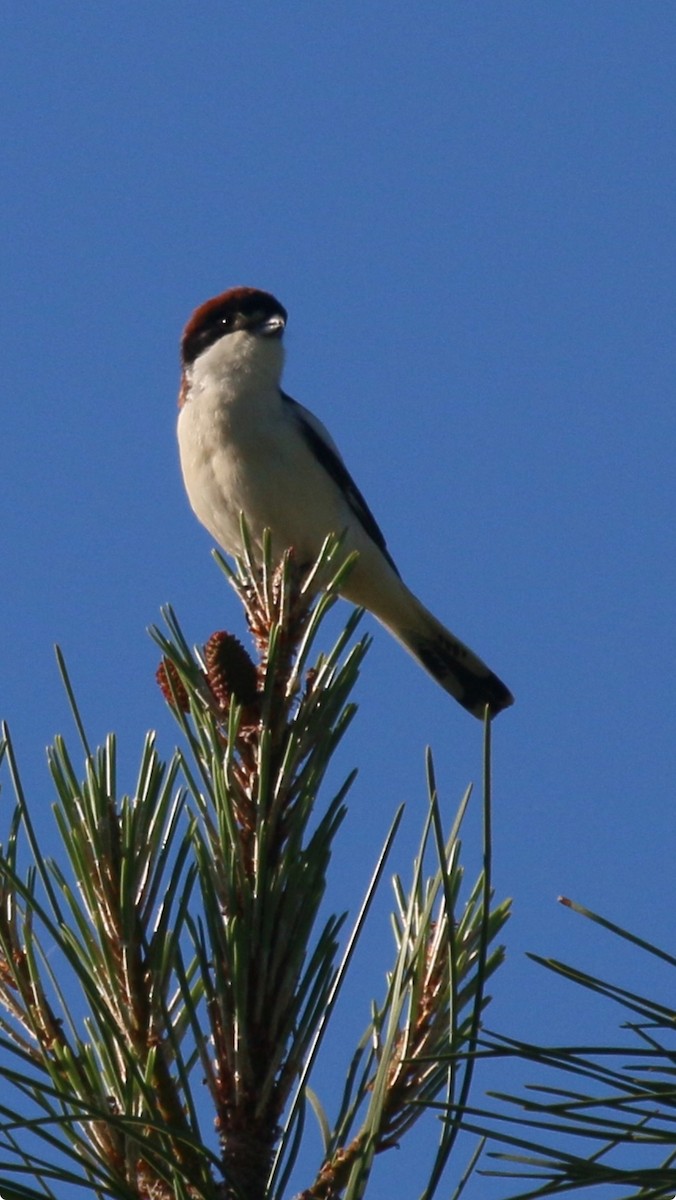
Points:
[[260, 477], [231, 467]]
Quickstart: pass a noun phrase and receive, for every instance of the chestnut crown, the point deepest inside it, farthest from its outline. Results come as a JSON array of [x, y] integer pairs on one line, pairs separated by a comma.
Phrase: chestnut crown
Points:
[[240, 308]]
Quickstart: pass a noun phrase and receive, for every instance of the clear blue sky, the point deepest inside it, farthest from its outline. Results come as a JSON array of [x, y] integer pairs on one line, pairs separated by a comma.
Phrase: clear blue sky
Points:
[[468, 210]]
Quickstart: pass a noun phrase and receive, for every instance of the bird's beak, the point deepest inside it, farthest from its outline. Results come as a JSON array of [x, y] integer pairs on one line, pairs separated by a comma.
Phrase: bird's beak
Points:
[[272, 328]]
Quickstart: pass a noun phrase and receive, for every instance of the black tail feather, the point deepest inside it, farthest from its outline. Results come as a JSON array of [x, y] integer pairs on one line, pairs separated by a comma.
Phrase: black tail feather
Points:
[[460, 672]]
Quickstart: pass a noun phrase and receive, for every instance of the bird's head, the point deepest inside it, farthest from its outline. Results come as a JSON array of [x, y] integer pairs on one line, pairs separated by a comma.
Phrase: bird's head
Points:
[[239, 331]]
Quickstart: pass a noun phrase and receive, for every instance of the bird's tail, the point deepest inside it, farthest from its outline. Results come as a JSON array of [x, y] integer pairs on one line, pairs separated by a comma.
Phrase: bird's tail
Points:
[[453, 665]]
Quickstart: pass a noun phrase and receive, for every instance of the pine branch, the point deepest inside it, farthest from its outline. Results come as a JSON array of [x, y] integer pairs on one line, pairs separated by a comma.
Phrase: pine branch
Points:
[[603, 1114], [174, 950]]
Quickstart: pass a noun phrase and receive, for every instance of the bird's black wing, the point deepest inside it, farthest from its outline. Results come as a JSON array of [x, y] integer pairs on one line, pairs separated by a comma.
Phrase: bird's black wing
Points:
[[326, 452]]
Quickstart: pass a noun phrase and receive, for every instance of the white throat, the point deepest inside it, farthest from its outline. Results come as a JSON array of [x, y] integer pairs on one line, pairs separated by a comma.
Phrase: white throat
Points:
[[239, 362]]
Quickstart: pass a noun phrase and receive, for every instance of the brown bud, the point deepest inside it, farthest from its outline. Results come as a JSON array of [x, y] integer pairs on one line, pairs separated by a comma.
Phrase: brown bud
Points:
[[172, 686], [230, 670]]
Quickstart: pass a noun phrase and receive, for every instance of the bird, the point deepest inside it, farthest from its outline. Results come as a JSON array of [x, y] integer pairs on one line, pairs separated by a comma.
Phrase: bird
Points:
[[247, 449]]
